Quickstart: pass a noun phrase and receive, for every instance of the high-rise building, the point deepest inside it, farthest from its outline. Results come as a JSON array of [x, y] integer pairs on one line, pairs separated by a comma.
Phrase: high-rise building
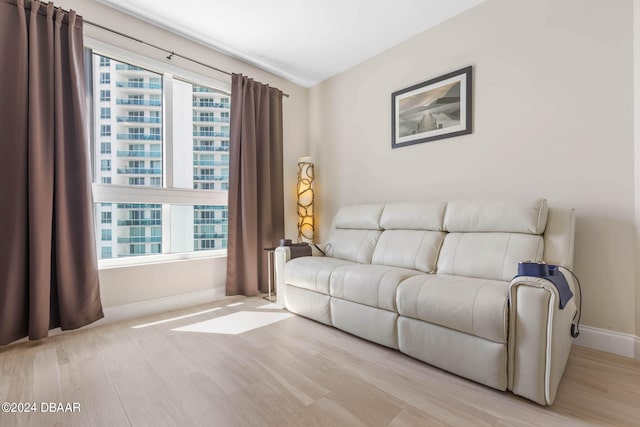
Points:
[[128, 139]]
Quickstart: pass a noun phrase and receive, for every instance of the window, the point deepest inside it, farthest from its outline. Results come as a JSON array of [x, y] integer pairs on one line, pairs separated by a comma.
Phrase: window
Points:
[[106, 235], [136, 181], [207, 244], [135, 82], [205, 186], [141, 146], [137, 232], [135, 133], [105, 252], [204, 117], [224, 185], [136, 249], [205, 131]]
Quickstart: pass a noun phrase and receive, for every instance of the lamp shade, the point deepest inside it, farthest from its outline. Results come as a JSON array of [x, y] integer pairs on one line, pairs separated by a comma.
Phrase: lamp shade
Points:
[[305, 200]]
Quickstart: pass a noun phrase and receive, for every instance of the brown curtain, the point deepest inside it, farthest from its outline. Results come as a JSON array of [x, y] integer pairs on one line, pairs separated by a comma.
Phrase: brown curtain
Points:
[[256, 195], [48, 266]]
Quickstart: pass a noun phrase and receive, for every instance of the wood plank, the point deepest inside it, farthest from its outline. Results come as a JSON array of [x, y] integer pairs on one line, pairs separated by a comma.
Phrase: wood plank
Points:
[[292, 372]]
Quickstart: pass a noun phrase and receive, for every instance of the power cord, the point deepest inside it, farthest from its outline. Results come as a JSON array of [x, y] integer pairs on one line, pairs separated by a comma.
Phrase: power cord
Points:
[[575, 327], [321, 251]]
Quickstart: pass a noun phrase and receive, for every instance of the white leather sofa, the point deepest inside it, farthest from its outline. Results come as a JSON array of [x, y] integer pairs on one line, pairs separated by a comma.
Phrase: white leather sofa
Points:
[[434, 280]]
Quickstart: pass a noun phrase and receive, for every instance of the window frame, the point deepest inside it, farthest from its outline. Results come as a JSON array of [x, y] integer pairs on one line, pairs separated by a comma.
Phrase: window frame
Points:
[[166, 195]]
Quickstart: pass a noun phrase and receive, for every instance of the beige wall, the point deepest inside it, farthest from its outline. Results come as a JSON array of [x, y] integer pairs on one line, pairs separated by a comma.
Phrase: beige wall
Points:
[[552, 117], [636, 75], [126, 285], [139, 283]]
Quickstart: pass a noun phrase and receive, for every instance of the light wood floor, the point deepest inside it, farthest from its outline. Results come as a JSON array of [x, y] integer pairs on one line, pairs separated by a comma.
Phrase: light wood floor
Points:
[[292, 372]]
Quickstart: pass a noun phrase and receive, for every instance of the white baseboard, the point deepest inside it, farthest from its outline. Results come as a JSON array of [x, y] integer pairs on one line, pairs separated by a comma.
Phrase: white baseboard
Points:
[[158, 305], [146, 308], [626, 345]]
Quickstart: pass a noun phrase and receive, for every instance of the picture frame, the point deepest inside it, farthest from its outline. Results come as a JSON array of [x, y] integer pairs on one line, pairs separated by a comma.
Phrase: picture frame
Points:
[[434, 109]]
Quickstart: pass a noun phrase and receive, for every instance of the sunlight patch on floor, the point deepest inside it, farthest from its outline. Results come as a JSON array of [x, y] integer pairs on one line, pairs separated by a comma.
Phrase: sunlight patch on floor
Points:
[[270, 306], [234, 304], [159, 322], [236, 323]]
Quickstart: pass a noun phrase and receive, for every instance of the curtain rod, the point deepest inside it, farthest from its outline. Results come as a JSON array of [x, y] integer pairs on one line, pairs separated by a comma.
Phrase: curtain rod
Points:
[[171, 54]]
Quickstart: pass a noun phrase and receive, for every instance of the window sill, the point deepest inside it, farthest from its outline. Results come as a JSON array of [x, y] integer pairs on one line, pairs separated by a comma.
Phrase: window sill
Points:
[[158, 259]]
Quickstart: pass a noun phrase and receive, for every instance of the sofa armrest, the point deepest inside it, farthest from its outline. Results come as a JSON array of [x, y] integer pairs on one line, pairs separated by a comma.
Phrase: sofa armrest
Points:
[[281, 257], [539, 337]]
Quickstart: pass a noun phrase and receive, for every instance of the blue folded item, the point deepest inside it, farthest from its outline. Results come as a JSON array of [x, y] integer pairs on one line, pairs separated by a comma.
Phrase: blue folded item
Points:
[[551, 273]]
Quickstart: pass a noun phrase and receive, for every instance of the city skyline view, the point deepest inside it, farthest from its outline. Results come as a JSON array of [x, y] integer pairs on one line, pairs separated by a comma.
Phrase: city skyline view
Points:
[[129, 139]]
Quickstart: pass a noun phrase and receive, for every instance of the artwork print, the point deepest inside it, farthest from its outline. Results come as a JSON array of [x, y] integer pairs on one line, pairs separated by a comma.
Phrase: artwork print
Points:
[[434, 109]]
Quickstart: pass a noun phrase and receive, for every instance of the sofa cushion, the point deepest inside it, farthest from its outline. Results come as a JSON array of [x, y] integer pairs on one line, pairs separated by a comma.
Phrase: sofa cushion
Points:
[[509, 216], [413, 216], [361, 217], [475, 306], [312, 272], [372, 285], [310, 304], [415, 249], [352, 245], [379, 326], [488, 255]]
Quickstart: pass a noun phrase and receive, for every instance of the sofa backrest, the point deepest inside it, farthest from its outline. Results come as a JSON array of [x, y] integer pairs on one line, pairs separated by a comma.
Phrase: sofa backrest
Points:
[[356, 230], [487, 238], [477, 238], [559, 237], [412, 235]]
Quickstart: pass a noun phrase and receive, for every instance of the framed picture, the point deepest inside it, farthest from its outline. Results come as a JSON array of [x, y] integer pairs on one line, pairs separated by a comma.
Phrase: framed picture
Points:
[[436, 109]]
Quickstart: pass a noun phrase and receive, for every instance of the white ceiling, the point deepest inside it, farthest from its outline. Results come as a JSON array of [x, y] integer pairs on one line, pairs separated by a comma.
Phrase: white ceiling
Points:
[[302, 41]]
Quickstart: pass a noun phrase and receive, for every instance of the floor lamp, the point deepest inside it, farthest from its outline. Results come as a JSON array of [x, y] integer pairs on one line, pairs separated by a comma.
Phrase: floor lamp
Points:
[[305, 200]]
